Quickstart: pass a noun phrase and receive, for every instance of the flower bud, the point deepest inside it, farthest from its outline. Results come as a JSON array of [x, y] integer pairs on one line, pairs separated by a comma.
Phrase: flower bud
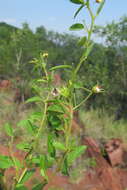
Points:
[[45, 55], [97, 89], [55, 92], [99, 1]]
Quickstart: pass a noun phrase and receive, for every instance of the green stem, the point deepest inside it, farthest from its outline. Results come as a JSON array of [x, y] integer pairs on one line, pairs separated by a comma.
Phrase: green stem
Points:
[[83, 101], [68, 131], [88, 40], [41, 124], [22, 175]]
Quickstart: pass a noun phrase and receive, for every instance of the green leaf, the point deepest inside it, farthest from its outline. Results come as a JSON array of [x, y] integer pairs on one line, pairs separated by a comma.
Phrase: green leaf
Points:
[[32, 129], [9, 130], [17, 163], [42, 80], [65, 167], [50, 161], [59, 146], [51, 148], [77, 12], [87, 52], [22, 123], [82, 41], [24, 146], [43, 166], [77, 1], [61, 67], [43, 173], [39, 186], [36, 116], [28, 175], [75, 153], [78, 85], [34, 99], [64, 91], [55, 122], [77, 26], [5, 162], [56, 108], [100, 7], [21, 187]]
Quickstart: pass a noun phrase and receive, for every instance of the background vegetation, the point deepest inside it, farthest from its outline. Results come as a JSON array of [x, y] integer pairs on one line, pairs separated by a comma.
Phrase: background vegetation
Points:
[[107, 64]]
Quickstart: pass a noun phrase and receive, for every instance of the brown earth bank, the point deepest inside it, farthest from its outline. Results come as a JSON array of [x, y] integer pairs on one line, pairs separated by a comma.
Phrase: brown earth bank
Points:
[[109, 173]]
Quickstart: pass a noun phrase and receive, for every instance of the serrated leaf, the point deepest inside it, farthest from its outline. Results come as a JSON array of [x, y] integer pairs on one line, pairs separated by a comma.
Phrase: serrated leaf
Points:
[[27, 175], [77, 1], [5, 162], [32, 129], [35, 116], [82, 41], [77, 26], [61, 67], [75, 153], [59, 146], [34, 99], [77, 12], [51, 148], [17, 163], [42, 80], [43, 173], [22, 123], [39, 186], [20, 187], [56, 108], [24, 146], [65, 167], [9, 130]]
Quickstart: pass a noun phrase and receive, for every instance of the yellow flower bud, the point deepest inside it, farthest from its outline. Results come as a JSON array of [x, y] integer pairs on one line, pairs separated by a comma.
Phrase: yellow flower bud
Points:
[[99, 1], [45, 55]]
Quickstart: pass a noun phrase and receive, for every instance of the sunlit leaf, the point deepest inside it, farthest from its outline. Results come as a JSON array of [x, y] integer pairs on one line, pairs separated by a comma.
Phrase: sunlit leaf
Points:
[[39, 186], [5, 162], [61, 67], [51, 148], [24, 146], [75, 153], [77, 12], [18, 164], [59, 146], [20, 187], [9, 130], [100, 7], [34, 99], [28, 175], [56, 108], [77, 26], [65, 167], [82, 41], [77, 1]]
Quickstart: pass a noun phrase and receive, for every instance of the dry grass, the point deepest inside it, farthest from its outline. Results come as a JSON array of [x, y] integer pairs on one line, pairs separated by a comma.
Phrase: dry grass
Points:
[[100, 125]]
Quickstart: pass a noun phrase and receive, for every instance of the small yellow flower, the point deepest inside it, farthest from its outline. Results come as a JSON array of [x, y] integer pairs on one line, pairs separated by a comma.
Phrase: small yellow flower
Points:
[[45, 55], [99, 1]]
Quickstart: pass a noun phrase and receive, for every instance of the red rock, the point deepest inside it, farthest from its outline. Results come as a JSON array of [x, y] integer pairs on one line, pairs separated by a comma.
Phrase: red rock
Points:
[[115, 151]]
